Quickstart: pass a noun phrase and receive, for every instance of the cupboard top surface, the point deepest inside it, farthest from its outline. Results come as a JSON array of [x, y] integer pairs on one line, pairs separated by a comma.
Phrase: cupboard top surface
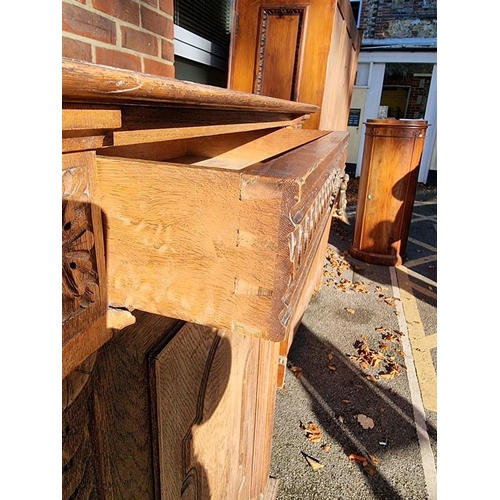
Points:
[[89, 82]]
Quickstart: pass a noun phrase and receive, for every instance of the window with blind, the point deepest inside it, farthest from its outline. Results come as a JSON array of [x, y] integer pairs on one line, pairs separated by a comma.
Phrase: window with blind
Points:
[[201, 40], [210, 19]]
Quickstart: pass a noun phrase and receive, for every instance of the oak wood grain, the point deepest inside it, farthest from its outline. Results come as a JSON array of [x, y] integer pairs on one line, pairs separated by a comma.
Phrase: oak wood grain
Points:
[[124, 138], [218, 247], [261, 149], [90, 117], [82, 81], [215, 404], [122, 422], [162, 408]]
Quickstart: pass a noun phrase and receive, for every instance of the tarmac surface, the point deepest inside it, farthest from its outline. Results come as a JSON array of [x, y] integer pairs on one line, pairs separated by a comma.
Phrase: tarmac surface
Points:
[[357, 417]]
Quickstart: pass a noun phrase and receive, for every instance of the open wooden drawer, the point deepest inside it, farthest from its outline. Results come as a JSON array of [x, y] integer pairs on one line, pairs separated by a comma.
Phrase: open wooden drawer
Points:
[[203, 204], [220, 245]]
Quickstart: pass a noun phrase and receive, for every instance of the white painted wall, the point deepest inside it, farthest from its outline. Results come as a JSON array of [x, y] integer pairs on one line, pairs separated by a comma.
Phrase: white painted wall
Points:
[[358, 101]]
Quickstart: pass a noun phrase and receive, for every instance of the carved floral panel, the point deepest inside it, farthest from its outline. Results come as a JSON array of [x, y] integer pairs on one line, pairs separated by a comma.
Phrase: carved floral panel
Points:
[[81, 246]]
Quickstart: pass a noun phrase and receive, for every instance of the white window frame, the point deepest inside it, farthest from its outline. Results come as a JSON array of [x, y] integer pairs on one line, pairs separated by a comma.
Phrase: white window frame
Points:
[[196, 48]]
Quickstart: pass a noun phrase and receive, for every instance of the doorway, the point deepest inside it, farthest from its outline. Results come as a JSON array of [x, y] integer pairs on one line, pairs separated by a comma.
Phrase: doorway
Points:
[[382, 73], [406, 89]]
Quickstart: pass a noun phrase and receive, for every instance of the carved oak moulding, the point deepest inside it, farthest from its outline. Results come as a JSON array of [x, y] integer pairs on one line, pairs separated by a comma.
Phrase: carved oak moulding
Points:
[[206, 242]]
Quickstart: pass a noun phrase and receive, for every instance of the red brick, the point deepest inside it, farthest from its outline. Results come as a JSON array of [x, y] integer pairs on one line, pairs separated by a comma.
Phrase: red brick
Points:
[[167, 50], [117, 59], [126, 10], [88, 24], [153, 3], [158, 68], [167, 6], [139, 41], [76, 49], [157, 23]]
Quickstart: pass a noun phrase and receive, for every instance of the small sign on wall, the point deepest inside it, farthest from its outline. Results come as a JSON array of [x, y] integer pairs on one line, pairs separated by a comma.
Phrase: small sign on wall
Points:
[[354, 116]]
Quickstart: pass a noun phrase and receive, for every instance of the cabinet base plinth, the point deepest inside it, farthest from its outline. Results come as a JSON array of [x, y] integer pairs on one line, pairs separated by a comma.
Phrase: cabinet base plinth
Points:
[[377, 258]]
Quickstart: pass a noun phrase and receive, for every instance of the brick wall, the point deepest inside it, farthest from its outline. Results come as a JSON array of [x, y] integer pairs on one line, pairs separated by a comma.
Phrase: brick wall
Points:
[[418, 97], [399, 19], [129, 34]]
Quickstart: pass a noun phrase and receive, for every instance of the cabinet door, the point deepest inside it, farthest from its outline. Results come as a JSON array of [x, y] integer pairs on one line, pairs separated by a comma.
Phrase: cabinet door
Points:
[[214, 393], [171, 411]]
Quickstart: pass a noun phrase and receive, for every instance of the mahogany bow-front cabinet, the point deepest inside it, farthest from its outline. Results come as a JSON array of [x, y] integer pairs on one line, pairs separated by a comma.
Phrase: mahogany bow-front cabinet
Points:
[[194, 229]]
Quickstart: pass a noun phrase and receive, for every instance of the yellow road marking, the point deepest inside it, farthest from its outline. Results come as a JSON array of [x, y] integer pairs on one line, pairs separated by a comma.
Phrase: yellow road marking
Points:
[[410, 272], [428, 342], [421, 345]]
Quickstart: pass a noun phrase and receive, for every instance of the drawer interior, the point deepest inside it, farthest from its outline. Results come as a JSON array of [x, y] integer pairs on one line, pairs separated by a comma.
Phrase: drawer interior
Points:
[[233, 151]]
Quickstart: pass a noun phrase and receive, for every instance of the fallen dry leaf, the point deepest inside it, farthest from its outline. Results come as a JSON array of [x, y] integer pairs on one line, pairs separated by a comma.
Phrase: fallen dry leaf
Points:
[[297, 371], [353, 457], [314, 464], [325, 447], [331, 368], [366, 422], [368, 465], [348, 286], [313, 432], [382, 329], [368, 357], [391, 371], [349, 310]]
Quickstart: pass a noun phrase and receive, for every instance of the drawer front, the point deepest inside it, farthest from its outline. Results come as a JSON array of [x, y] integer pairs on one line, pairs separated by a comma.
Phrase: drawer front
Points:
[[309, 179], [216, 246], [305, 237]]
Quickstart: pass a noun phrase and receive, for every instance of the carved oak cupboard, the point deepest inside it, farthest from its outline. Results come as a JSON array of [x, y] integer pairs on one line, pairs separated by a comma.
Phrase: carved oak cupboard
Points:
[[194, 228]]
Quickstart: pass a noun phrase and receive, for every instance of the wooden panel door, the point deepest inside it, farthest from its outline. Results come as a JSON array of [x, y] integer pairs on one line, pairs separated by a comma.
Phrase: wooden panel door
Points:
[[279, 52], [299, 50], [214, 393], [168, 410]]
